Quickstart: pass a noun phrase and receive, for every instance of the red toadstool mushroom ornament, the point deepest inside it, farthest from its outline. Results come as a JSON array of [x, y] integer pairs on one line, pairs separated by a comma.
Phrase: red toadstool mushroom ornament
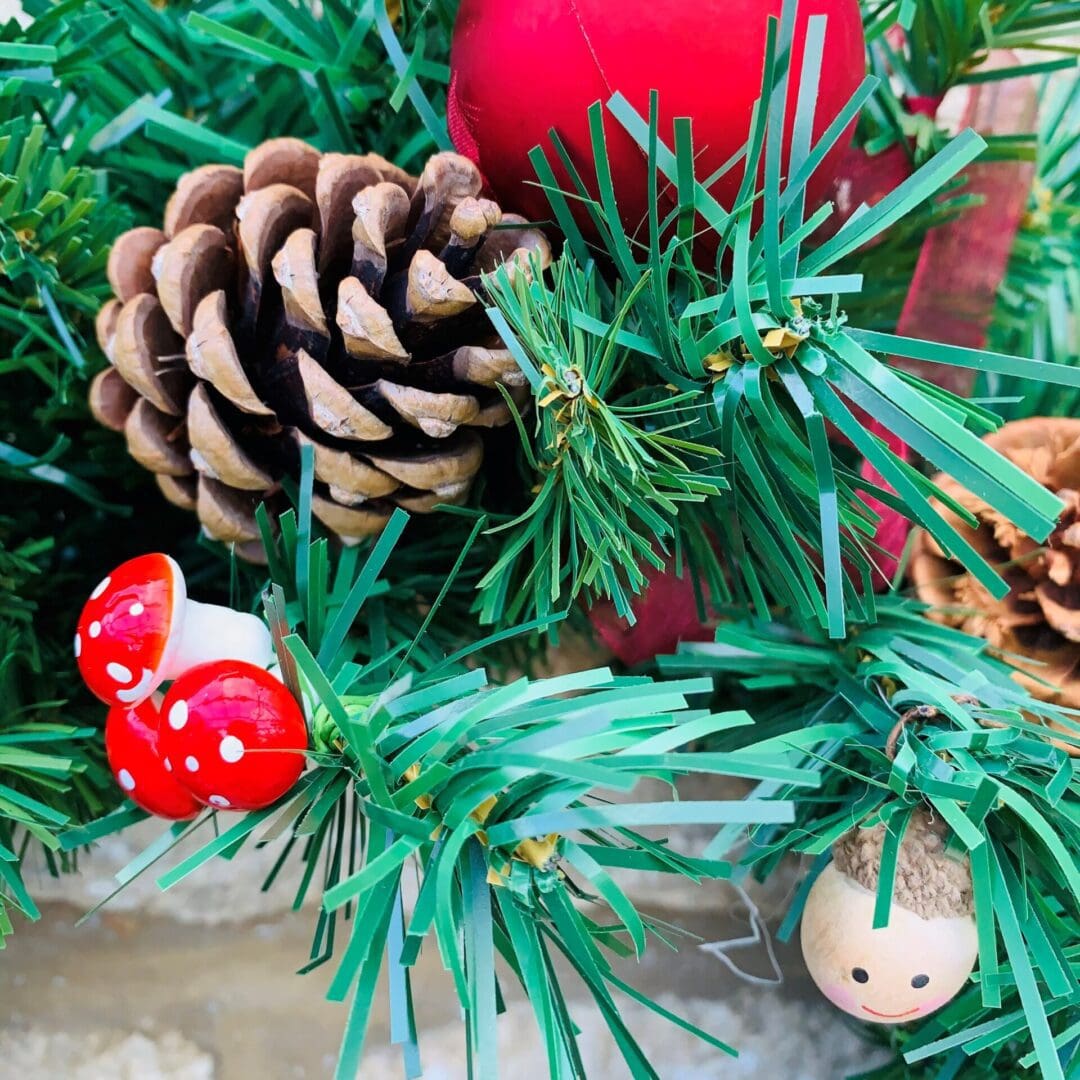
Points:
[[233, 735], [139, 629], [131, 733]]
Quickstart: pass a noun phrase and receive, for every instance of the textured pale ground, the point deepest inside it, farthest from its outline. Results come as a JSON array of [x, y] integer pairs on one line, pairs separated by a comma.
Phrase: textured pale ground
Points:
[[771, 1045], [148, 998], [115, 1054]]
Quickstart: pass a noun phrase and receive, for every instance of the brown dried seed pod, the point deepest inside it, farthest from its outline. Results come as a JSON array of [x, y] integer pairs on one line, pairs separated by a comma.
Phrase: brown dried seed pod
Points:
[[329, 300], [1038, 620]]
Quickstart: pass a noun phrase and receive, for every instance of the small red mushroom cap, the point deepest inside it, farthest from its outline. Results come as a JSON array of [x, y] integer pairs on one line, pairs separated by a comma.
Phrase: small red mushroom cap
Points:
[[131, 745], [126, 628], [233, 735]]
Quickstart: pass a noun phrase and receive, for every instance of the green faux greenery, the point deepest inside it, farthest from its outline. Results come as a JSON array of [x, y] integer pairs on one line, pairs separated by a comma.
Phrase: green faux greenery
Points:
[[664, 429], [754, 359], [989, 764], [1040, 296], [945, 43], [51, 769], [426, 770], [612, 467], [103, 104]]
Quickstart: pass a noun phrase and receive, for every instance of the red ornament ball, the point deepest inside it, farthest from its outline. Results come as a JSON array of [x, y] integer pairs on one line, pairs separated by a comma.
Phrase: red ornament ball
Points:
[[131, 734], [233, 735], [520, 67]]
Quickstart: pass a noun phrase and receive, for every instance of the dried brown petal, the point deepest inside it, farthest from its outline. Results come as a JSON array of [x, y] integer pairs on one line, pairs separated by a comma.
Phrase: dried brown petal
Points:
[[105, 326], [366, 327], [351, 523], [381, 213], [447, 179], [215, 451], [149, 355], [225, 513], [334, 409], [435, 414], [432, 293], [179, 490], [444, 471], [111, 399], [157, 441], [211, 355], [351, 479], [132, 253], [294, 270], [282, 161], [195, 263], [205, 196]]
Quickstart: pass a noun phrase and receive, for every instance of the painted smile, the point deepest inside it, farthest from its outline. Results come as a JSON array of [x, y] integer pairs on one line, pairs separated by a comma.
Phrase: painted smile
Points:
[[890, 1016]]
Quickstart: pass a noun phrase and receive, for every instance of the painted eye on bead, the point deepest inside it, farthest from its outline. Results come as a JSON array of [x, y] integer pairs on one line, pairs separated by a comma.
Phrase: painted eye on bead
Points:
[[860, 975], [919, 981]]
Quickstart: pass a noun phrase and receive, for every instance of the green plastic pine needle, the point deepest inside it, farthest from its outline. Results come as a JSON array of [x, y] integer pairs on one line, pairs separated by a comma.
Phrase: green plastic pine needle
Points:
[[988, 758]]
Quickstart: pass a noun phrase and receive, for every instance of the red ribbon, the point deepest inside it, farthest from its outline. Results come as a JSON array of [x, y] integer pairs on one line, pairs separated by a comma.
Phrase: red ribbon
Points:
[[961, 265]]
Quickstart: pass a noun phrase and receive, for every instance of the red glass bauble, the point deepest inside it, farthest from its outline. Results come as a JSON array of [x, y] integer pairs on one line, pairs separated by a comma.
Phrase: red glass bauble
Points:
[[521, 67]]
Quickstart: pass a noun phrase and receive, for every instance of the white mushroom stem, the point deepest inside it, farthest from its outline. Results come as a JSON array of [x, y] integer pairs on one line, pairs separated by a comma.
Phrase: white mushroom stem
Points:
[[212, 632]]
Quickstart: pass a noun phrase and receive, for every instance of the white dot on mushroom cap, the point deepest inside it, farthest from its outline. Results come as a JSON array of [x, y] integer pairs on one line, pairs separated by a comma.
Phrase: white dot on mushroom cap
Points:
[[127, 781], [178, 715], [101, 586], [231, 749], [191, 763], [78, 646], [218, 800], [167, 763], [118, 673], [94, 628], [136, 609]]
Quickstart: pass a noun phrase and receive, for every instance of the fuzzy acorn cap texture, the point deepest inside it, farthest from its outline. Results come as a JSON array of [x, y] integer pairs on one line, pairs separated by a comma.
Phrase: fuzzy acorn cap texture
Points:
[[329, 301], [929, 883]]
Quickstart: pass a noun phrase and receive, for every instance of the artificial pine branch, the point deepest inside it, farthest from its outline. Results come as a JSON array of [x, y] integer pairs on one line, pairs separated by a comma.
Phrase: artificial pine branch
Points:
[[52, 771], [756, 359], [612, 465], [497, 799], [946, 45], [981, 752]]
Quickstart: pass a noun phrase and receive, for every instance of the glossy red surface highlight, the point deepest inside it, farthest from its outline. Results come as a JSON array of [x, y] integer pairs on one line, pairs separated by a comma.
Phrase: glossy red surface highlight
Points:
[[131, 746], [521, 67], [233, 734], [123, 631]]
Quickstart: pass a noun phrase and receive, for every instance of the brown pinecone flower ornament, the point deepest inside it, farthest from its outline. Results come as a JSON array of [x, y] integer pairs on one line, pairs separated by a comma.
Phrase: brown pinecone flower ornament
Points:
[[1039, 618], [328, 299]]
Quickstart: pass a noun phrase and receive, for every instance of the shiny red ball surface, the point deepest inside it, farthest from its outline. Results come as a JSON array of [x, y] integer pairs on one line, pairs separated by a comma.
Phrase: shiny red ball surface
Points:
[[131, 734], [233, 735], [521, 67], [123, 633]]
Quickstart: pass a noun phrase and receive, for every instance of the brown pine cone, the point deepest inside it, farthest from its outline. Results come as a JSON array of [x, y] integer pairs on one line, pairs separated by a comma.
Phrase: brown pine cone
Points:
[[1039, 619], [328, 299]]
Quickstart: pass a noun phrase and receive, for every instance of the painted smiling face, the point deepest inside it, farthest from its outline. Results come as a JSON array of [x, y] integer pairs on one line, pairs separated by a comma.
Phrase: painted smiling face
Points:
[[893, 975]]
